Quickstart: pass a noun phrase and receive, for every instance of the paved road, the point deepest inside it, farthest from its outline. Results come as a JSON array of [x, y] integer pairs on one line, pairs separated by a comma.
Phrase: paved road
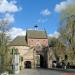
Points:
[[39, 72]]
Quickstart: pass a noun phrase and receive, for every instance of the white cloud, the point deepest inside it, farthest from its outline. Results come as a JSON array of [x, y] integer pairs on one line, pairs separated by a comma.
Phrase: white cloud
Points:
[[45, 12], [14, 32], [9, 18], [10, 7], [64, 5], [55, 34]]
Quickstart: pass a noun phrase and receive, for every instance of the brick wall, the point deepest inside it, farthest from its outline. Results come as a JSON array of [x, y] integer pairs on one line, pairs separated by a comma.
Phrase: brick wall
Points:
[[34, 42]]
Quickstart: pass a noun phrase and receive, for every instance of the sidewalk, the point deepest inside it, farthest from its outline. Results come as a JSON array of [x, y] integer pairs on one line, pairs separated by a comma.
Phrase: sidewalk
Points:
[[63, 70]]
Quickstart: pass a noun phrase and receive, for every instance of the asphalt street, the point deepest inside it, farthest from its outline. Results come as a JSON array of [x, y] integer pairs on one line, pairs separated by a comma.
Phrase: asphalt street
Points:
[[41, 72], [45, 72]]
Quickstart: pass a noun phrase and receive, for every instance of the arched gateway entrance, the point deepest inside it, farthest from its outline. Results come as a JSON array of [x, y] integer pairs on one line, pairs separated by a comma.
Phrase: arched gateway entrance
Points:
[[27, 64], [41, 57], [43, 62]]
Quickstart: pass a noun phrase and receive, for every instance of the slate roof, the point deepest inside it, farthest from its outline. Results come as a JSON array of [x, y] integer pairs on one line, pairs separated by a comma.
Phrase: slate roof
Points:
[[19, 41], [36, 34], [33, 34]]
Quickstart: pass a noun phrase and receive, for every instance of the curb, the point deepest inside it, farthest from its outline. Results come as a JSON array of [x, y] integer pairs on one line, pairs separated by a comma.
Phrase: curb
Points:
[[63, 70]]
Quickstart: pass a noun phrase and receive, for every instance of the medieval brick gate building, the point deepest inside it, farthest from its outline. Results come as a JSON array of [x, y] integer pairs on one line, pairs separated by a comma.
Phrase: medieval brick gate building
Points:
[[33, 49]]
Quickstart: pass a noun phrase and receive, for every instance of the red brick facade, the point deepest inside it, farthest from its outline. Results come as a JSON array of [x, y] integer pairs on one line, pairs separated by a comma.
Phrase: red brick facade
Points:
[[35, 42]]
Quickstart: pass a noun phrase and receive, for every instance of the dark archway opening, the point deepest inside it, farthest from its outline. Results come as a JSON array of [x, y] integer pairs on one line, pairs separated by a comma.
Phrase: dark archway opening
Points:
[[43, 62], [27, 64]]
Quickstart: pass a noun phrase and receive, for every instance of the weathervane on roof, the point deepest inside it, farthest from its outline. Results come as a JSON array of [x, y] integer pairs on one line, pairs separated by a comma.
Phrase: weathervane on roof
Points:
[[36, 26]]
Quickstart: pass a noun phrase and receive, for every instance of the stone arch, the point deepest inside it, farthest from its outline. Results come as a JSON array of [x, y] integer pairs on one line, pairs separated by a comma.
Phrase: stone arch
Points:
[[27, 64]]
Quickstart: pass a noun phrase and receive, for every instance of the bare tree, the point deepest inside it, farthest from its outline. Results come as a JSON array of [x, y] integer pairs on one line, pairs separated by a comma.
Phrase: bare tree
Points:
[[4, 50], [58, 48], [67, 31]]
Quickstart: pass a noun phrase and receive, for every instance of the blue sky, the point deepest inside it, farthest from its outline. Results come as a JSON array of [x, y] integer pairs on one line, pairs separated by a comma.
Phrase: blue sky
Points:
[[25, 14], [30, 14]]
